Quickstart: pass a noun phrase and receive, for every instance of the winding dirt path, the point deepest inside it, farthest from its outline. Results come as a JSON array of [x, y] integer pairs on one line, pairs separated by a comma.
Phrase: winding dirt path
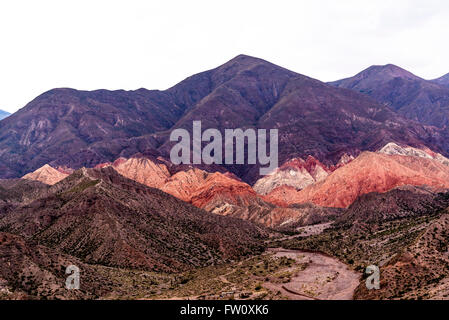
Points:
[[325, 278]]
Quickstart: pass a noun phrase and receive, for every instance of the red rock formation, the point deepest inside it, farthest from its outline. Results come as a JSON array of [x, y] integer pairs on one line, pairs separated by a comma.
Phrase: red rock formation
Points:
[[282, 196], [201, 188], [184, 184], [370, 172], [218, 188], [188, 184], [220, 193]]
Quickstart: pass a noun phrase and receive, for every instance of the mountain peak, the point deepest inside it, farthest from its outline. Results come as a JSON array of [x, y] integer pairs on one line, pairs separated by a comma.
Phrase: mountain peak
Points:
[[389, 71], [375, 74], [245, 57], [242, 62], [46, 174]]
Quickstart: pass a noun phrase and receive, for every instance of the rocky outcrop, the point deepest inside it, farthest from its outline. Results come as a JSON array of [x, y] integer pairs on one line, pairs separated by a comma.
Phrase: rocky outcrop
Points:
[[46, 174], [402, 202], [298, 174], [16, 192], [394, 149], [418, 271]]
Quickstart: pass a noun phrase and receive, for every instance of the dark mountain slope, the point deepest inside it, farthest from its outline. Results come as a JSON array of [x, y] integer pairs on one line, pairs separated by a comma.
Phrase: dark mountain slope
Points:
[[313, 118], [413, 97], [14, 192], [101, 217], [399, 203], [242, 90], [418, 271], [65, 123]]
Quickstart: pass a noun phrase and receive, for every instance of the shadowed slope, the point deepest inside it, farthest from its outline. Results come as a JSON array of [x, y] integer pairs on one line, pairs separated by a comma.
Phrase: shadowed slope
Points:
[[102, 217]]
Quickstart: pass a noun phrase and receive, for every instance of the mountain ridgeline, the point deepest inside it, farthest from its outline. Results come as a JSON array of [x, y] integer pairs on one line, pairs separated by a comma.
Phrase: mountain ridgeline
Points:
[[363, 176], [101, 217], [67, 127]]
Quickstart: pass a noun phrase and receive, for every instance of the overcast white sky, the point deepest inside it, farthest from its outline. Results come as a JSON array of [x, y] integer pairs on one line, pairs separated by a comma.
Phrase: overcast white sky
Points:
[[155, 44]]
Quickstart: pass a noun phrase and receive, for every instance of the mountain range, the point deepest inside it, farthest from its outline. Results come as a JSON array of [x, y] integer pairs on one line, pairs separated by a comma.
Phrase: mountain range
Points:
[[300, 192], [128, 130], [363, 177], [66, 127]]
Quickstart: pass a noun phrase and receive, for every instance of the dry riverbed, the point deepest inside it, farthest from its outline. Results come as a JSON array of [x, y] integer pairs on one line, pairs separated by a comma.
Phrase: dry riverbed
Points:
[[324, 278], [277, 274]]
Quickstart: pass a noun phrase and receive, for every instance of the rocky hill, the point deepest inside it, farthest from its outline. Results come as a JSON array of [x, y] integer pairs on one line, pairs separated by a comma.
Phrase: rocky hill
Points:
[[104, 218]]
